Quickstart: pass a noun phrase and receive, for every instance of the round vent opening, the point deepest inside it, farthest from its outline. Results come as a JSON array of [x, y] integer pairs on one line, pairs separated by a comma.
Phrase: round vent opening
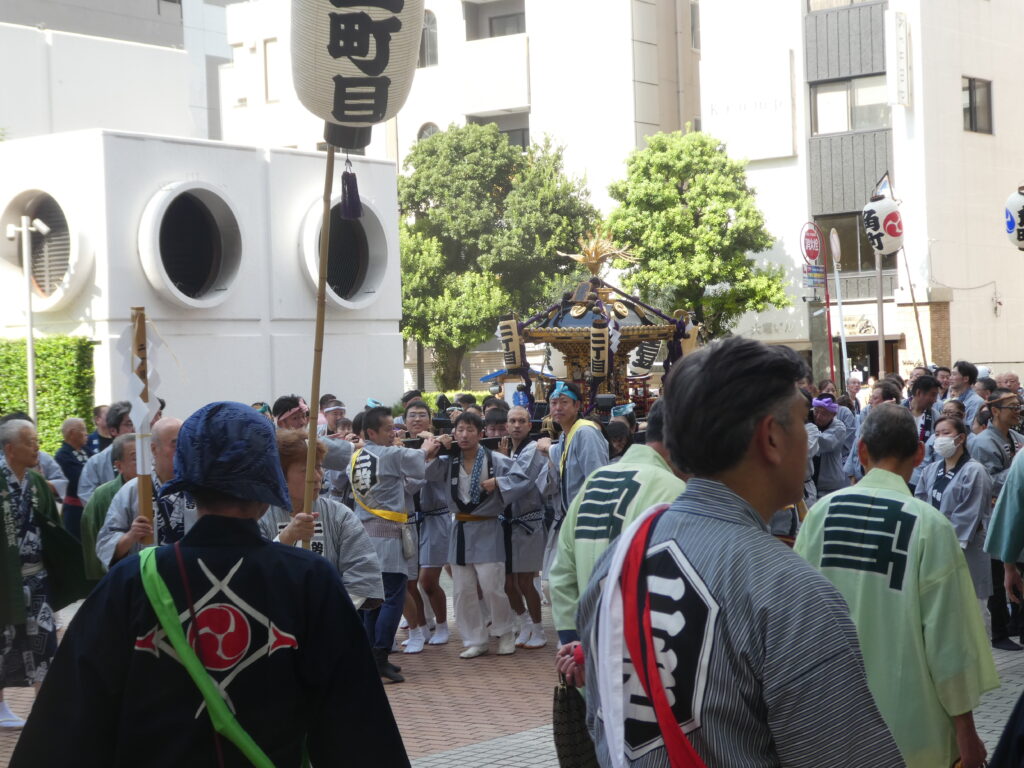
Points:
[[357, 255], [190, 244], [348, 258], [51, 253]]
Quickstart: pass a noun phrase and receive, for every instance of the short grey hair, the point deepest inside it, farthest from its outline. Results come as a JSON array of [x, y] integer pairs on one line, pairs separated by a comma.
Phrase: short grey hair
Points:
[[10, 431], [70, 424], [117, 447], [890, 432]]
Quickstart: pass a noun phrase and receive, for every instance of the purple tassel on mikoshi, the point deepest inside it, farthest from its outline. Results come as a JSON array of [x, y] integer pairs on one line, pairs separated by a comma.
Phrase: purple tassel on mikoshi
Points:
[[351, 206]]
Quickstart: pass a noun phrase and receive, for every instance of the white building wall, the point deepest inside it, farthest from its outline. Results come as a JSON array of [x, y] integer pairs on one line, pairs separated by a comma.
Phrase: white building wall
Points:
[[57, 81], [968, 176], [754, 99]]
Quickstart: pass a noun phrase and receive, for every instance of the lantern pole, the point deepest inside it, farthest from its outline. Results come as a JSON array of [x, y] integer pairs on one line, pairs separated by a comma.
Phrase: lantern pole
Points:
[[318, 339], [917, 315], [828, 326], [833, 241]]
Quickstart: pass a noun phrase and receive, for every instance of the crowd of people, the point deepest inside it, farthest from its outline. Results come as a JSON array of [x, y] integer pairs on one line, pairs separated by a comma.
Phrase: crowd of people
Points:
[[770, 572]]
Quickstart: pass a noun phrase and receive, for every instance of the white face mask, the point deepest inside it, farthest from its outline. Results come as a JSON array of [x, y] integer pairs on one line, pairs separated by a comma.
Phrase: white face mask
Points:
[[945, 446]]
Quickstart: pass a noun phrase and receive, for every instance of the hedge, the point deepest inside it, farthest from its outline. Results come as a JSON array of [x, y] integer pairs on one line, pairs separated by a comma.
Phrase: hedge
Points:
[[64, 383]]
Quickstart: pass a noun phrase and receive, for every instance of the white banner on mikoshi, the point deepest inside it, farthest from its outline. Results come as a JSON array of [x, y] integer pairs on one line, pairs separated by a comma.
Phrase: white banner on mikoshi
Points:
[[1015, 218], [353, 62], [883, 225]]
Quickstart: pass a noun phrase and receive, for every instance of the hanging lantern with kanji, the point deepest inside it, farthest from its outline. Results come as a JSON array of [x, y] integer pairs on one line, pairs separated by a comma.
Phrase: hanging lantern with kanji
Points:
[[599, 349], [512, 347], [883, 225], [1015, 218], [353, 62]]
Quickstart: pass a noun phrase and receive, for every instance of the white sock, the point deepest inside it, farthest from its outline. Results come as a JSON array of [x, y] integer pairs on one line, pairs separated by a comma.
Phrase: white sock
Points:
[[5, 711], [440, 634], [525, 632], [416, 641]]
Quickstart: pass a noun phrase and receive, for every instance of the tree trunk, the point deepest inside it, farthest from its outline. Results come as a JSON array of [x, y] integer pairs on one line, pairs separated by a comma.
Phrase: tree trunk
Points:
[[448, 367]]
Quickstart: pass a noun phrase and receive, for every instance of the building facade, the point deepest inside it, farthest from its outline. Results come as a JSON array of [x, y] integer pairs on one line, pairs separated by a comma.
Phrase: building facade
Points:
[[843, 92], [597, 77]]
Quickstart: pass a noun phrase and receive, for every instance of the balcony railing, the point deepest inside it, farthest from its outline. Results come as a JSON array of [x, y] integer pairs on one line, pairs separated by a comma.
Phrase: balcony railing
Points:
[[864, 285]]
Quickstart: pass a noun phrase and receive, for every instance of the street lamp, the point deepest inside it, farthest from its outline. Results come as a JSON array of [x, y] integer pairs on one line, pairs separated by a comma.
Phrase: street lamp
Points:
[[28, 226]]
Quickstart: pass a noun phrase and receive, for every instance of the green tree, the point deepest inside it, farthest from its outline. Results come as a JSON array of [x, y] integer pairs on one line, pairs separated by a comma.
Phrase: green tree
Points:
[[688, 217], [483, 223]]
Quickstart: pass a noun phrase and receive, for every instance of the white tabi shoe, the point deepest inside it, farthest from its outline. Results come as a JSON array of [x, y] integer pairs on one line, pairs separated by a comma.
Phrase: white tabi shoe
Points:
[[507, 644], [524, 634], [403, 624], [538, 639], [417, 638], [473, 651], [440, 635]]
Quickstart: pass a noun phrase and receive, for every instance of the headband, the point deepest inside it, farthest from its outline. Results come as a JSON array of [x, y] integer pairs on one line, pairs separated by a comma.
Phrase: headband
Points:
[[828, 405], [330, 408], [300, 408], [562, 389], [373, 403], [622, 410]]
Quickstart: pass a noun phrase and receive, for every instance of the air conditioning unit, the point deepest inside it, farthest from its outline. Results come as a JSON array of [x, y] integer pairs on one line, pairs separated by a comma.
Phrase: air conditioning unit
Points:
[[220, 244]]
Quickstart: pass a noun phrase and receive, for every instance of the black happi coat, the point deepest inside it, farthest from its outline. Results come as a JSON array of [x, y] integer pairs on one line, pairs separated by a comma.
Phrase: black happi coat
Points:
[[277, 632]]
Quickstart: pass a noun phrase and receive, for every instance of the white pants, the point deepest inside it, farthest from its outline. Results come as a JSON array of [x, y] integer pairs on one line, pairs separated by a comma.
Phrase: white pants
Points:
[[491, 578]]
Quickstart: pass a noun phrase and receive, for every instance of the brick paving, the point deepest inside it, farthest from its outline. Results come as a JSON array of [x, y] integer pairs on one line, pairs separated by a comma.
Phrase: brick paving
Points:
[[496, 710]]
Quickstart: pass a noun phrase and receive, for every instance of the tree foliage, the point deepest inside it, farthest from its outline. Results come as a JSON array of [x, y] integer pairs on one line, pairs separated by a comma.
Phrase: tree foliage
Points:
[[483, 223], [688, 217]]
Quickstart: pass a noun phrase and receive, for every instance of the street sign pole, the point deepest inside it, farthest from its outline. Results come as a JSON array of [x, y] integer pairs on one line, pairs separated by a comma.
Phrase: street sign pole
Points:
[[833, 241], [811, 245]]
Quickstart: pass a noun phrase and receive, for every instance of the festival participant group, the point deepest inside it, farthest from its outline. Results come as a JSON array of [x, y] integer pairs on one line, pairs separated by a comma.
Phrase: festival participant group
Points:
[[764, 571]]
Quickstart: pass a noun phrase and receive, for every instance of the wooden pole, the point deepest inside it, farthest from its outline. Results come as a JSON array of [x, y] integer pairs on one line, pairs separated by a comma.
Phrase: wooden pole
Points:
[[140, 367], [318, 340], [917, 315]]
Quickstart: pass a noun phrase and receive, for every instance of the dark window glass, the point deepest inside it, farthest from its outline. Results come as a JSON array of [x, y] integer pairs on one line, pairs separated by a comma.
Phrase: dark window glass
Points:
[[508, 24], [856, 254], [428, 41], [976, 98]]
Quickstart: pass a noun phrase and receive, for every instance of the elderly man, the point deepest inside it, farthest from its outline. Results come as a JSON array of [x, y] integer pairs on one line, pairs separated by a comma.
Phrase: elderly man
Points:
[[852, 389], [71, 456], [123, 452], [828, 464], [40, 564], [124, 530], [277, 658], [100, 469], [898, 564], [1010, 381], [706, 609]]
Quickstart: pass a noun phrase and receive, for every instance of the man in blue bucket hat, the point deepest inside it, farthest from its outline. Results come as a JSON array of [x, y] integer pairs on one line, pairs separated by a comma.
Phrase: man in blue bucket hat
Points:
[[222, 649]]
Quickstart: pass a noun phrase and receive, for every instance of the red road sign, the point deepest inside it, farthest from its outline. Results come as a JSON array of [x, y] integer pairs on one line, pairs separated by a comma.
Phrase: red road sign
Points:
[[811, 241]]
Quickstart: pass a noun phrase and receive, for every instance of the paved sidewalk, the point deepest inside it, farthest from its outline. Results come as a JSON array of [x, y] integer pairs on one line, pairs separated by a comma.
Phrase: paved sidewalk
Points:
[[496, 710]]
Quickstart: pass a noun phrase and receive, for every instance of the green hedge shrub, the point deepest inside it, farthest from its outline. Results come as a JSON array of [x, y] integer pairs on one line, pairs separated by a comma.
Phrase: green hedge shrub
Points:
[[64, 383], [431, 397]]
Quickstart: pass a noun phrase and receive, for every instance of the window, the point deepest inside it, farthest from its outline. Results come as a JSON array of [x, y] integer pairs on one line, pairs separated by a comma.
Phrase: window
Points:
[[849, 105], [856, 253], [508, 24], [237, 75], [695, 24], [518, 137], [824, 5], [426, 130], [428, 41], [976, 95]]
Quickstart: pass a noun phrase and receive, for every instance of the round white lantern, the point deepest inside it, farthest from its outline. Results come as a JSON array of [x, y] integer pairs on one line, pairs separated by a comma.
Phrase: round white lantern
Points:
[[883, 225], [1015, 218], [353, 62]]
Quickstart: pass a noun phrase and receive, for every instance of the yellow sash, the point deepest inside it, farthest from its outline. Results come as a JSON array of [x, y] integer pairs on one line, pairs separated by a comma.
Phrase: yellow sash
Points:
[[568, 441], [386, 514]]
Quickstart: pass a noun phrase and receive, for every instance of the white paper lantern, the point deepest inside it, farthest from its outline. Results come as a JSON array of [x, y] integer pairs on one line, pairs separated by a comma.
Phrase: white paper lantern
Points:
[[353, 62], [1015, 218], [883, 225]]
